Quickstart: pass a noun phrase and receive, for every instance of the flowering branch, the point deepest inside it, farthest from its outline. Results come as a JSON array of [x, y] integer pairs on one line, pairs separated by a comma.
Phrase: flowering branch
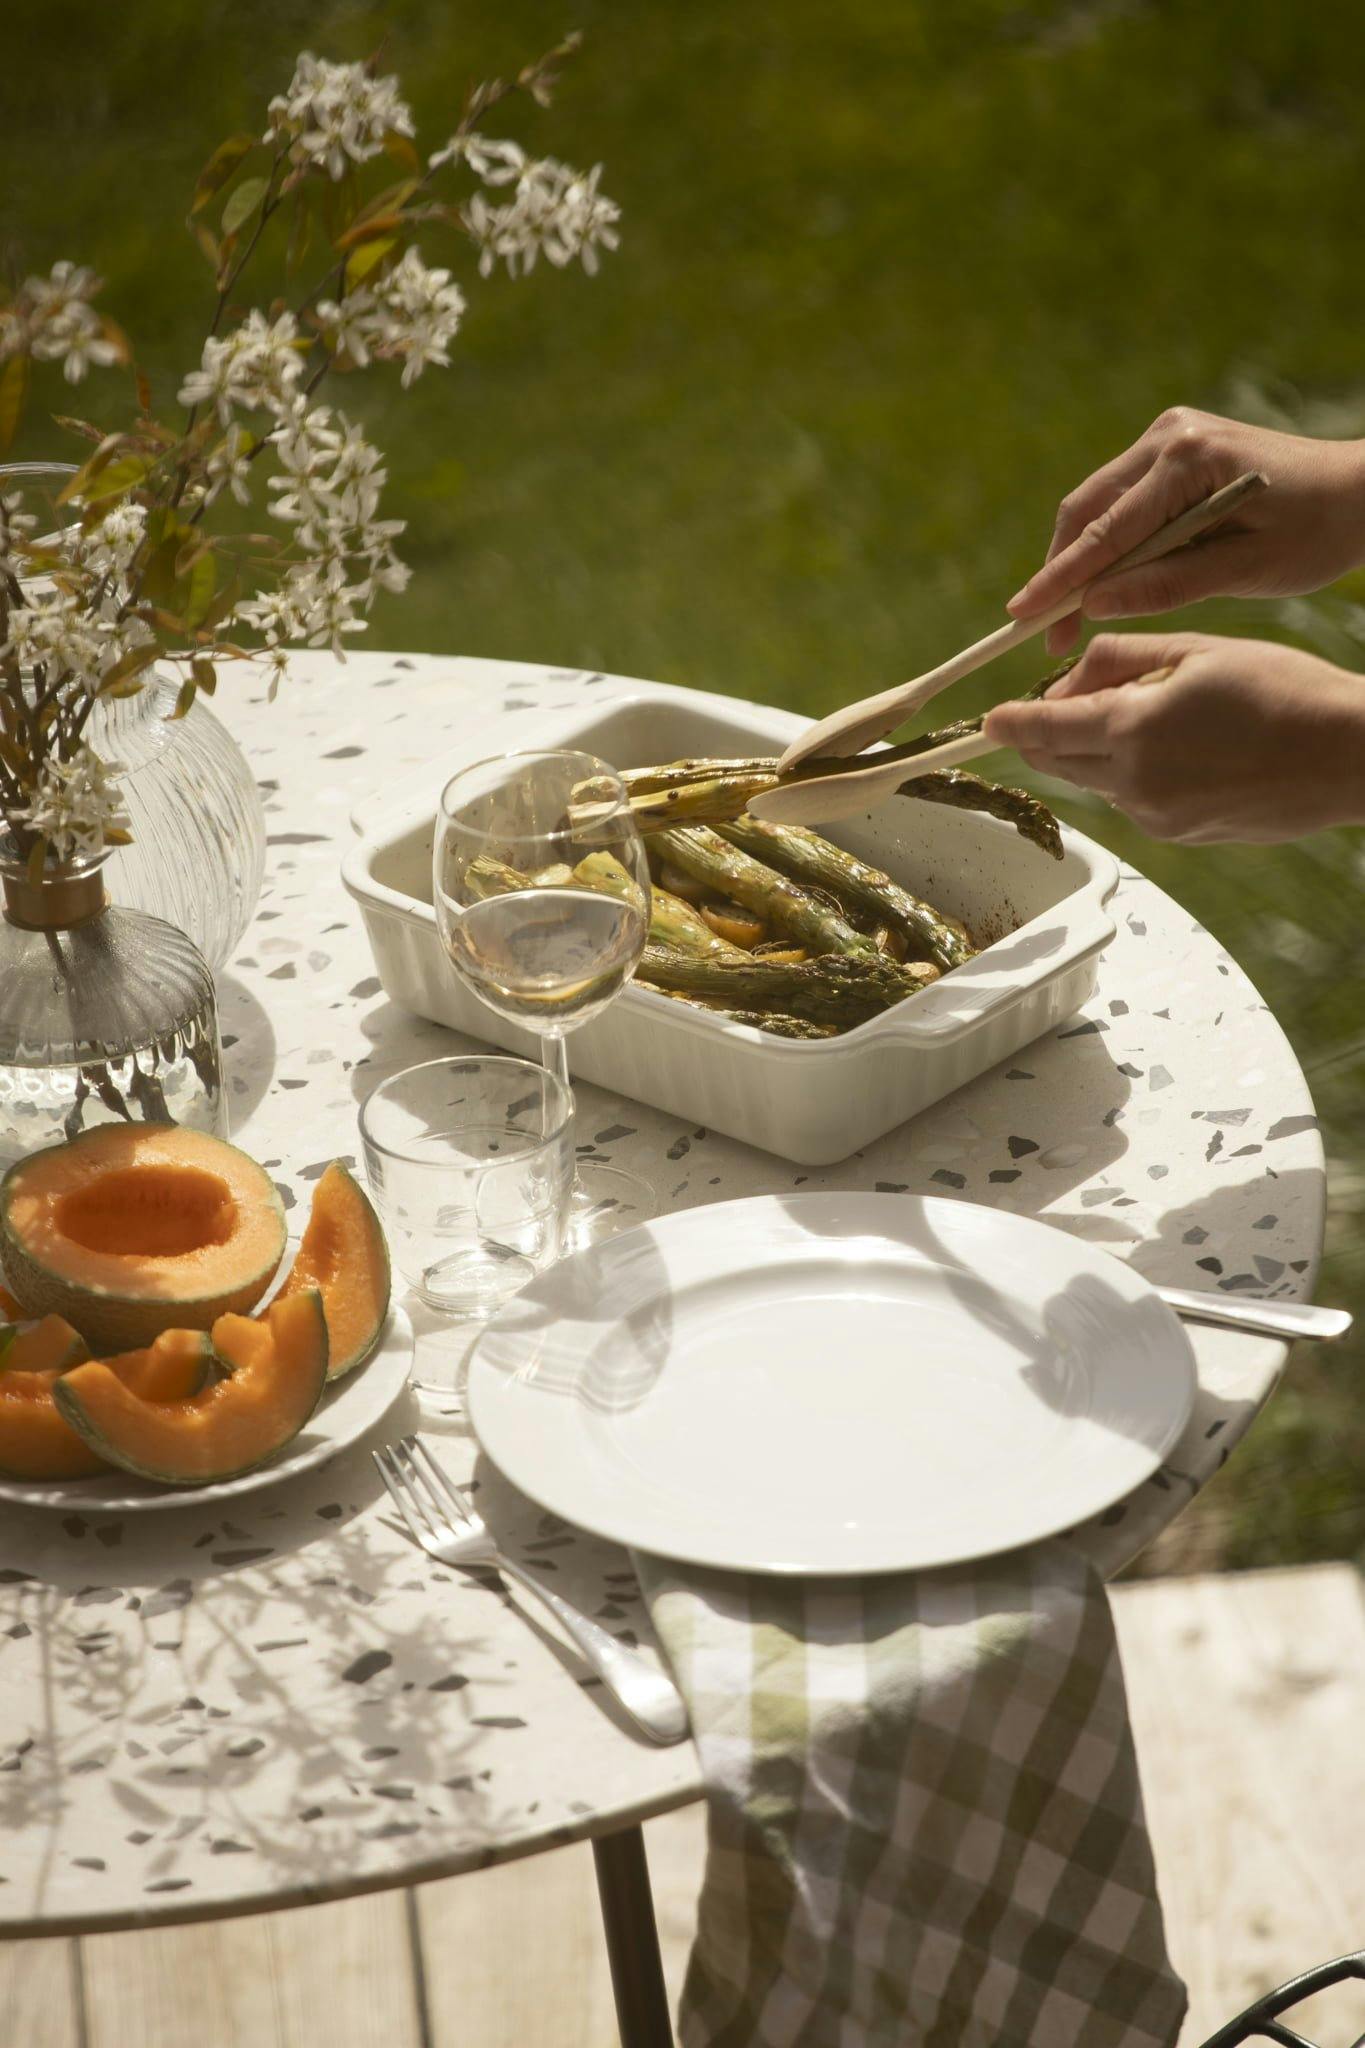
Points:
[[133, 573]]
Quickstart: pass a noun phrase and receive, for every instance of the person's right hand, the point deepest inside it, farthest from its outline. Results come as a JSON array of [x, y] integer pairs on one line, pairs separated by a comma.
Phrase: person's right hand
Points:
[[1305, 531]]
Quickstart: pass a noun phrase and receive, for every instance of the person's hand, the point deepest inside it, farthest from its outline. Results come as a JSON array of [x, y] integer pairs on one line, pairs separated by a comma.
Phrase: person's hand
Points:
[[1304, 532], [1200, 738]]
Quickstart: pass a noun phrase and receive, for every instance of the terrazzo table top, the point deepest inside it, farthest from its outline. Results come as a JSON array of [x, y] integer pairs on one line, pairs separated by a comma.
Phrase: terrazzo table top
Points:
[[203, 1713]]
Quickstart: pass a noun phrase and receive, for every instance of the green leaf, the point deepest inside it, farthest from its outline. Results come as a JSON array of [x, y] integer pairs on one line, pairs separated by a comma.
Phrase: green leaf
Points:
[[402, 152], [116, 478], [205, 674], [220, 168], [75, 487], [75, 426], [369, 230], [202, 582], [300, 235], [368, 257], [188, 690], [13, 387], [242, 203], [128, 667]]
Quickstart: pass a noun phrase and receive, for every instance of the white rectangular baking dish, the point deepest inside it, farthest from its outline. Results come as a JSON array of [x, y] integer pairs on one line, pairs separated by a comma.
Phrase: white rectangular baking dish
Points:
[[814, 1102]]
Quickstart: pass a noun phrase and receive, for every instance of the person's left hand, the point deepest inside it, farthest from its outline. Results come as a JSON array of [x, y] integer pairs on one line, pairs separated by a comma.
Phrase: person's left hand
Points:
[[1200, 738]]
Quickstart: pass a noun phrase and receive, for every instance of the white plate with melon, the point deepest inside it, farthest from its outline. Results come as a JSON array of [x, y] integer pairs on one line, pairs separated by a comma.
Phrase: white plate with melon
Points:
[[157, 1347]]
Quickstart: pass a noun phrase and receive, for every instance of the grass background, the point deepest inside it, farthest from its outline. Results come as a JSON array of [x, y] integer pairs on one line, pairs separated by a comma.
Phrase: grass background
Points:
[[894, 275]]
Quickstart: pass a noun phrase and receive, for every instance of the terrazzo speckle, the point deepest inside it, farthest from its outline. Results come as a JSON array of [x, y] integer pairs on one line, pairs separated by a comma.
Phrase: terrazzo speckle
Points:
[[204, 1714]]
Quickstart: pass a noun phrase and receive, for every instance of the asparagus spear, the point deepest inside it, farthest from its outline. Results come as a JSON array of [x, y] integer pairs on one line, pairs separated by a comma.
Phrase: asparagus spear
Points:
[[1029, 816], [775, 1022], [809, 858], [698, 792], [731, 872], [671, 921], [830, 990]]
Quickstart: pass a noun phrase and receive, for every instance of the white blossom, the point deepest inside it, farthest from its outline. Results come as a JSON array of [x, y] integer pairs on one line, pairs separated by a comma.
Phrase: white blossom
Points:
[[76, 805], [107, 546], [58, 323], [256, 366], [411, 314], [495, 159], [62, 632], [306, 438], [229, 465], [337, 113], [555, 211], [420, 314], [351, 323], [313, 603]]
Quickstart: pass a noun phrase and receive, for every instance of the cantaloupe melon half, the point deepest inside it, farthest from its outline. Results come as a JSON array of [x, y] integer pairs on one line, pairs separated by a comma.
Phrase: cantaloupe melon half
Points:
[[131, 1229], [36, 1442], [275, 1371], [344, 1255]]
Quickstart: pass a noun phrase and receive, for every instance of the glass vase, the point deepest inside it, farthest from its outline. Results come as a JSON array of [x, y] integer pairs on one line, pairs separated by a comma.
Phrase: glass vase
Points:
[[197, 857], [106, 1015]]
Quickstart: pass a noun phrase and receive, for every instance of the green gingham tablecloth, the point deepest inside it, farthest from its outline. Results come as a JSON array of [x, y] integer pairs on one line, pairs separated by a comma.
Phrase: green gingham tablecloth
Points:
[[925, 1824]]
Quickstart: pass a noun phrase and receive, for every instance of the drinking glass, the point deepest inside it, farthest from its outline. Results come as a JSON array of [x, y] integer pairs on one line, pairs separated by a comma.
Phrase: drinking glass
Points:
[[470, 1162], [541, 888]]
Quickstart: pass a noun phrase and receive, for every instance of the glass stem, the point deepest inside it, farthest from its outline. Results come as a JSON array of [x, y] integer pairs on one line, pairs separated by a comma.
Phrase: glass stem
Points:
[[554, 1057]]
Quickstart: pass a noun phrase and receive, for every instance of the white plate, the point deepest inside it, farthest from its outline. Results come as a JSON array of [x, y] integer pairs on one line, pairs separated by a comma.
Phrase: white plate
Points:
[[347, 1410], [832, 1383]]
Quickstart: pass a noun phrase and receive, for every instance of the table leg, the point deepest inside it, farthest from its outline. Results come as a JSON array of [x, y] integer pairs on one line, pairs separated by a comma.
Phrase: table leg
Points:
[[637, 1976]]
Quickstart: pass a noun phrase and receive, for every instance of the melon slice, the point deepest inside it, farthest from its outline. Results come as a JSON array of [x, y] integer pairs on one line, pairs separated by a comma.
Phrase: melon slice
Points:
[[35, 1440], [10, 1311], [132, 1229], [343, 1255], [276, 1368]]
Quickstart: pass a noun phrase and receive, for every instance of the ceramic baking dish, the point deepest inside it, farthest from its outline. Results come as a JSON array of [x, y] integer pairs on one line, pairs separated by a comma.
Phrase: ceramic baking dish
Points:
[[817, 1101]]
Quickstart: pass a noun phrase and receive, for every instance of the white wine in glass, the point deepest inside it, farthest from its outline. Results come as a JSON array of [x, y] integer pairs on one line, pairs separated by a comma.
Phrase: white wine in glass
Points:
[[541, 888]]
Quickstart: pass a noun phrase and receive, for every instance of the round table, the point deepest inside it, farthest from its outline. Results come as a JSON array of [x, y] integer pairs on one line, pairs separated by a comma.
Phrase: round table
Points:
[[205, 1713]]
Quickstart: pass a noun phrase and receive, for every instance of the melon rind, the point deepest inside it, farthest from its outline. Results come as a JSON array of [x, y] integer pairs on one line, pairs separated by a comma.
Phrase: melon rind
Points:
[[341, 1206], [119, 1426]]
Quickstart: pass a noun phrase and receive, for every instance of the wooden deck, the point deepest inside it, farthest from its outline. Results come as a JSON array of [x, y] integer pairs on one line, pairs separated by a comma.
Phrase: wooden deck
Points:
[[1248, 1697]]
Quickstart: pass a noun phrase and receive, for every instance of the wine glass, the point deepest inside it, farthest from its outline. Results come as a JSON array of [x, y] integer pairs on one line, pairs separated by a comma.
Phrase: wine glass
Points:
[[541, 888]]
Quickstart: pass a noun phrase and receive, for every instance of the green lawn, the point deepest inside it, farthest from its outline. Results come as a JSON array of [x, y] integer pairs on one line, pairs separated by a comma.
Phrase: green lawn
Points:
[[894, 275]]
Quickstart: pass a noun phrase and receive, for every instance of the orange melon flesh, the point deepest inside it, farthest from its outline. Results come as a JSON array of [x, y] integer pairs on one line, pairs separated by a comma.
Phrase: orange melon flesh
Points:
[[343, 1254], [10, 1311], [277, 1368], [36, 1442], [131, 1229]]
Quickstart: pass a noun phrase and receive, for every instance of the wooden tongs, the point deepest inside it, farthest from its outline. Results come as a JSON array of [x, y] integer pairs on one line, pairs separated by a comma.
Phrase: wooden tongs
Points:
[[820, 799]]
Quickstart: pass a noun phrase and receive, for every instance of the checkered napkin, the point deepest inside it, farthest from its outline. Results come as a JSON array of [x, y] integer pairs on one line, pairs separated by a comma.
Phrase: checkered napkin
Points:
[[925, 1824]]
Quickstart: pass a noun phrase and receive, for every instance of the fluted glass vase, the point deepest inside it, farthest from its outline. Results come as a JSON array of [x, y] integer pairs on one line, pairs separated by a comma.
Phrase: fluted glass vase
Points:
[[197, 856], [107, 1015]]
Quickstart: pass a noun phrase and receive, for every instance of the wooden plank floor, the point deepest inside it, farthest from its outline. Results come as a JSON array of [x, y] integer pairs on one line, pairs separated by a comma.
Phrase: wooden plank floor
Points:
[[1248, 1697]]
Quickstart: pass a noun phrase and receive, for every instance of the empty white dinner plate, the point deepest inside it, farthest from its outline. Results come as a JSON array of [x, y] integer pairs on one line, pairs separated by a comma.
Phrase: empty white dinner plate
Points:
[[832, 1383]]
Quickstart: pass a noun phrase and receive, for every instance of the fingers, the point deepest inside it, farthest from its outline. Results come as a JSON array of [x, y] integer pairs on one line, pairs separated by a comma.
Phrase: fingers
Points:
[[1159, 494], [1086, 771], [1223, 566], [1055, 725], [1115, 658], [1089, 499]]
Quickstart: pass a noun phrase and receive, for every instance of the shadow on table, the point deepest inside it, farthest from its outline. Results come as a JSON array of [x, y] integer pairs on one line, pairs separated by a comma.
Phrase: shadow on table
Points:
[[248, 1047]]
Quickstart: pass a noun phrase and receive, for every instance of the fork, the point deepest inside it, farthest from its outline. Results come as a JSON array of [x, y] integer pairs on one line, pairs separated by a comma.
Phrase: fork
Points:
[[443, 1520]]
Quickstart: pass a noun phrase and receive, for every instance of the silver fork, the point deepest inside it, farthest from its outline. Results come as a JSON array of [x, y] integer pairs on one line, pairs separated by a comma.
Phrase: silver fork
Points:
[[441, 1517]]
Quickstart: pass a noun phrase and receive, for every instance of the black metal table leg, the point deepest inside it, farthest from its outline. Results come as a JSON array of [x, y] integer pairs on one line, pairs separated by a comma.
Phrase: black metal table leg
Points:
[[637, 1974]]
